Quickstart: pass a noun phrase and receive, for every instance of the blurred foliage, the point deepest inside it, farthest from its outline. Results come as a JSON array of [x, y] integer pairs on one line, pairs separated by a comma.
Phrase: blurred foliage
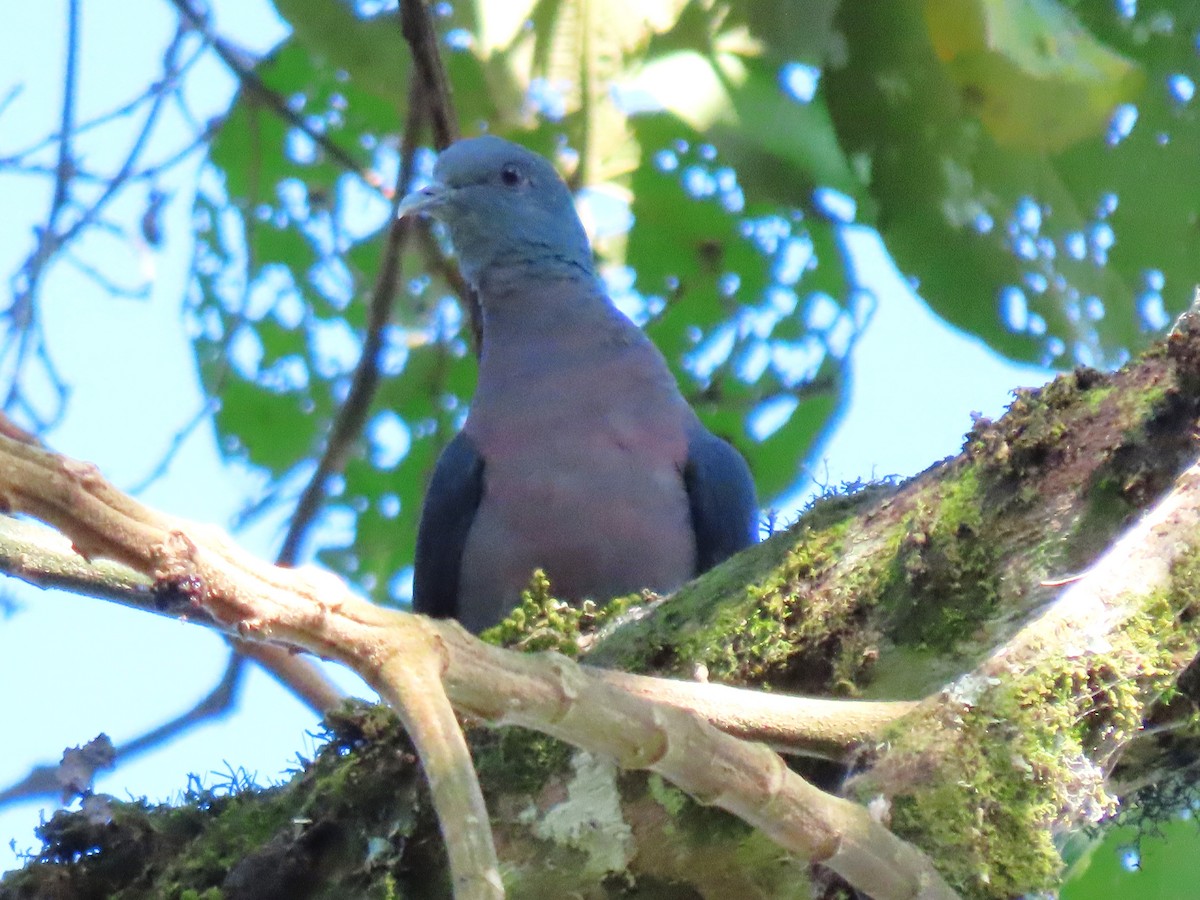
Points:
[[1027, 162], [1163, 865]]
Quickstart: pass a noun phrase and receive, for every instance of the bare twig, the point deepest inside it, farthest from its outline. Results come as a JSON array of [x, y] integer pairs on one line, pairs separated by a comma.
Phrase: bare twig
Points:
[[106, 284], [92, 213], [26, 340], [251, 82], [119, 112], [22, 311], [9, 96], [349, 422], [298, 674], [176, 444], [66, 163], [417, 24], [42, 781]]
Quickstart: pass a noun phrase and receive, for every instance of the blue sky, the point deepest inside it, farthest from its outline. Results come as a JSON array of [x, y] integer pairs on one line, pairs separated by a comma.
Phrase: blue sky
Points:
[[74, 666]]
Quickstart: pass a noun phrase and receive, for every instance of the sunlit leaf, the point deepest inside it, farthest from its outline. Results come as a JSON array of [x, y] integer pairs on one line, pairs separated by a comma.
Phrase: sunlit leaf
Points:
[[1068, 257], [366, 49], [1029, 70]]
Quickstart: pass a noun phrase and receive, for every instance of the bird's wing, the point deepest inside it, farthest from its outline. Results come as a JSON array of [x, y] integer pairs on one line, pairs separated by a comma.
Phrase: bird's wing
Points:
[[450, 505], [721, 498]]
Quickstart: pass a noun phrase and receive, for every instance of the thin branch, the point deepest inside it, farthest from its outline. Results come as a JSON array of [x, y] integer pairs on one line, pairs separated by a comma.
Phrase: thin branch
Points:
[[45, 558], [352, 416], [416, 22], [429, 97], [119, 112], [410, 681], [251, 82], [402, 655], [42, 781], [22, 311], [437, 263], [419, 31], [10, 95], [66, 163], [106, 284], [176, 444], [135, 151], [299, 674], [809, 726]]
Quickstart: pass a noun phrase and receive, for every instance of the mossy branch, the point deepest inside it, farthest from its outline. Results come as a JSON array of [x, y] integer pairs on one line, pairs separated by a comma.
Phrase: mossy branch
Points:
[[402, 656], [1023, 744]]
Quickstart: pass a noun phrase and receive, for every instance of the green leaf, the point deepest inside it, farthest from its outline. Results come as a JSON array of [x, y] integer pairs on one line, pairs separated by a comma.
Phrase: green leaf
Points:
[[1029, 70], [781, 147], [1067, 235], [686, 249], [369, 50]]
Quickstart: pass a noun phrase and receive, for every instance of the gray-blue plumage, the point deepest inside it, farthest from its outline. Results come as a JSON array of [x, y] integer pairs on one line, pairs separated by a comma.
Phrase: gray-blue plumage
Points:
[[720, 501], [450, 503], [579, 454]]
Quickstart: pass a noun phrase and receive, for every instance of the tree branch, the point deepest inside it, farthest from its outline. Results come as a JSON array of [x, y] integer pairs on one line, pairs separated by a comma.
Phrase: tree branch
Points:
[[828, 729], [66, 161], [416, 23], [250, 81], [44, 558], [1047, 715], [311, 609], [352, 416]]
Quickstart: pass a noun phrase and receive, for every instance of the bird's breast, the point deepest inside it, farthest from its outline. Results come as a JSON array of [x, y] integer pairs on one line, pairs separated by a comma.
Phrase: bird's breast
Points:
[[586, 485]]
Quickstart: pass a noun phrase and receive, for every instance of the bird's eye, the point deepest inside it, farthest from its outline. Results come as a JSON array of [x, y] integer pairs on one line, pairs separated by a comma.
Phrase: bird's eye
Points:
[[511, 175]]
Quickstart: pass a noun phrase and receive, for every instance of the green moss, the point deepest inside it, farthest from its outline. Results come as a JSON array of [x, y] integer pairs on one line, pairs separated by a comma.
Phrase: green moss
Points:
[[730, 845], [1031, 432], [1097, 396], [943, 581], [516, 760], [838, 507], [1106, 510], [793, 611], [1025, 755], [791, 627], [237, 838], [542, 622]]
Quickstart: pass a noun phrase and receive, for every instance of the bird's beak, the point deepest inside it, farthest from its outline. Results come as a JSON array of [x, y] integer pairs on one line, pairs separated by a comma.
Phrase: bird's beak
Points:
[[425, 199]]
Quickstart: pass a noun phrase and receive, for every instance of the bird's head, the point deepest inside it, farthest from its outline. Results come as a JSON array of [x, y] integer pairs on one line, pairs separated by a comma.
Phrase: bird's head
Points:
[[504, 206]]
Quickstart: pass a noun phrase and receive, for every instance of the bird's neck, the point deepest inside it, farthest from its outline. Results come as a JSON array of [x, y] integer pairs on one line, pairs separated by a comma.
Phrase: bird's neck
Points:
[[546, 323], [520, 306]]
